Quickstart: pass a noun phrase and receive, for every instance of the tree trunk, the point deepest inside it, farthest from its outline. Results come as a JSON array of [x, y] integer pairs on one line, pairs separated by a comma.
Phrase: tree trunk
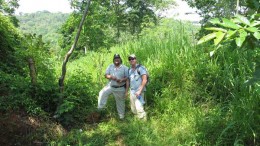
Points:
[[33, 76], [32, 71], [237, 6], [85, 50], [62, 77]]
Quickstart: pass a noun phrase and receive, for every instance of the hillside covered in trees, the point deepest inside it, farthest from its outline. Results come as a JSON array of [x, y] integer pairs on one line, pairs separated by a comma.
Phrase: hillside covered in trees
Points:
[[204, 84], [43, 23]]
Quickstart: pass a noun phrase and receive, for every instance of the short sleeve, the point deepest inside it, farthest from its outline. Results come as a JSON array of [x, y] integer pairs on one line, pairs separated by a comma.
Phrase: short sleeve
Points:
[[127, 72], [142, 71], [108, 70]]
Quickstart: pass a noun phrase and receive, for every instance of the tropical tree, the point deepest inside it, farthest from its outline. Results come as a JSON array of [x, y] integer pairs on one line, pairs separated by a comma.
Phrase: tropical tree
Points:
[[8, 7], [107, 21], [208, 9], [240, 30]]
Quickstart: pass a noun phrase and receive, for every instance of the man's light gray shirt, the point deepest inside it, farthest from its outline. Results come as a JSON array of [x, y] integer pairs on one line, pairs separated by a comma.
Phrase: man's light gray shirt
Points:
[[120, 73], [136, 79]]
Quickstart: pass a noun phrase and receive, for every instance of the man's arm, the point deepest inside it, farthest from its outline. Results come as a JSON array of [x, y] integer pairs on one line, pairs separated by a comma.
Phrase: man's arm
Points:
[[123, 80], [108, 73], [126, 76], [126, 87], [144, 81], [110, 77]]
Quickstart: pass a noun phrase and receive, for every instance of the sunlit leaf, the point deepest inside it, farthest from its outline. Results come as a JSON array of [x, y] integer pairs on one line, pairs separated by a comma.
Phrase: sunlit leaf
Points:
[[251, 29], [235, 20], [219, 37], [207, 38], [216, 29], [240, 40], [214, 21], [230, 33], [257, 35], [243, 19], [242, 33], [255, 23], [229, 24]]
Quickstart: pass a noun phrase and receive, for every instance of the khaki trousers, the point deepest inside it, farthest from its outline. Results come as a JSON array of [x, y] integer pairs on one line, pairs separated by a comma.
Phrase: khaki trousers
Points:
[[119, 94], [136, 106]]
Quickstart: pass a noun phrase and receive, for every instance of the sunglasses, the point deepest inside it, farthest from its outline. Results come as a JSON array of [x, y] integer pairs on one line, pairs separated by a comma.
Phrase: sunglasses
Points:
[[131, 59]]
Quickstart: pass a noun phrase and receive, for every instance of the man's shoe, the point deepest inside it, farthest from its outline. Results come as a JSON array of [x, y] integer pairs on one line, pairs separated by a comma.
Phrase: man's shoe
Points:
[[143, 118], [121, 118]]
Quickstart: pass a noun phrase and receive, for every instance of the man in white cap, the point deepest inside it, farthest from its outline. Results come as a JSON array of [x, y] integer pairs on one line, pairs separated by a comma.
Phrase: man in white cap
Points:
[[138, 80], [118, 85]]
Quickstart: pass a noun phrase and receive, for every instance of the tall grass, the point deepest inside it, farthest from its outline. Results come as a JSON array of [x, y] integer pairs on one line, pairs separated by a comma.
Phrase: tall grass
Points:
[[192, 99]]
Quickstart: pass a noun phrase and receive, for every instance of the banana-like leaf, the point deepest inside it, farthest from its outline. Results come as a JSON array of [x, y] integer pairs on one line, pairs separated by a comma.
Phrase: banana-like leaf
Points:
[[215, 21], [229, 24], [240, 40], [219, 37], [243, 19], [235, 20], [257, 35], [230, 33], [251, 29], [255, 23], [207, 38], [216, 29], [242, 33]]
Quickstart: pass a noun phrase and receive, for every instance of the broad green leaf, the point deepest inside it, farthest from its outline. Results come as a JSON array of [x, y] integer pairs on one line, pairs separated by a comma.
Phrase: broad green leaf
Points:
[[230, 33], [216, 29], [229, 24], [214, 21], [240, 40], [243, 19], [207, 38], [219, 37], [242, 33], [235, 20], [257, 35], [251, 29], [255, 23]]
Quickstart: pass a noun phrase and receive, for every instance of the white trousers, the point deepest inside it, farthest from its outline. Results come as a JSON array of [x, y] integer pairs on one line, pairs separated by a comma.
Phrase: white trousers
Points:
[[119, 94], [136, 106]]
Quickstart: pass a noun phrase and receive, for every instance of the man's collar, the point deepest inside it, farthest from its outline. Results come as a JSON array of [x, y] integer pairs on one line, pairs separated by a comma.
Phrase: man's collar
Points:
[[118, 66], [135, 66]]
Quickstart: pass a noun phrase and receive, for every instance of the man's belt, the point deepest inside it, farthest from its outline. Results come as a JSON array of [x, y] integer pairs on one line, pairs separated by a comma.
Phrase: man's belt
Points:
[[118, 86]]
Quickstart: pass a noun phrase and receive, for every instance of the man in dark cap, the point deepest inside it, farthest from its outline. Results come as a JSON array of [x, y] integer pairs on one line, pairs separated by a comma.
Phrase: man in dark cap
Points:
[[118, 85]]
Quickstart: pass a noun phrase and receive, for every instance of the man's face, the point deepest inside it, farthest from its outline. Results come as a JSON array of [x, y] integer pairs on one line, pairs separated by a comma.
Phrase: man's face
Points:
[[132, 61], [117, 61]]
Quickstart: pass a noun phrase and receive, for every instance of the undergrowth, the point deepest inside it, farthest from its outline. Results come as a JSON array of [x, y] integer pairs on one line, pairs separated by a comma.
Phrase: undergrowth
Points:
[[193, 99]]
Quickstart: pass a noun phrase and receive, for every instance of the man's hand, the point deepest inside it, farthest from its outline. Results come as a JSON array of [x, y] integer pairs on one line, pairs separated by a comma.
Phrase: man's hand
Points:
[[138, 93], [114, 78], [126, 94], [119, 80]]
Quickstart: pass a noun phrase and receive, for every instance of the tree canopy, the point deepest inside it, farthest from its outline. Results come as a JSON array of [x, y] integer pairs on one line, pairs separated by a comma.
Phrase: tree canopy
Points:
[[223, 8]]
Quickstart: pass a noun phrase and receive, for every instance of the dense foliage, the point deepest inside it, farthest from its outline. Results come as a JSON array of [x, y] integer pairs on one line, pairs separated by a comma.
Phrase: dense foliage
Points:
[[46, 24], [109, 23], [192, 98], [7, 7], [223, 8]]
